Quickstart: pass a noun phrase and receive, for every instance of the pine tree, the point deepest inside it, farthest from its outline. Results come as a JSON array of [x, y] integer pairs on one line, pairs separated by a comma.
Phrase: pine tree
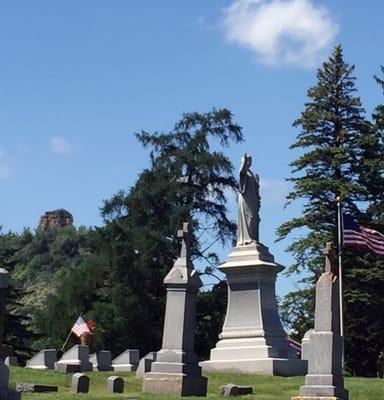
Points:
[[341, 157]]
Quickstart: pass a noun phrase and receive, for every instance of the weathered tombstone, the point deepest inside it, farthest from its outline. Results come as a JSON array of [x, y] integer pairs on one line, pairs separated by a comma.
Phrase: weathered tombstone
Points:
[[5, 392], [126, 361], [76, 359], [101, 360], [176, 369], [115, 384], [44, 359], [11, 360], [145, 364], [253, 339], [325, 373], [80, 383], [35, 387], [305, 345], [235, 390]]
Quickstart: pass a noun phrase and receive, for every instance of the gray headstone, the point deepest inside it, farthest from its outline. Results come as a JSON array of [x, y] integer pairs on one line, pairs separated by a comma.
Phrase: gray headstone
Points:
[[235, 390], [11, 360], [35, 387], [80, 383], [115, 384], [126, 361], [145, 364], [77, 358], [101, 360], [325, 375], [44, 359], [176, 369]]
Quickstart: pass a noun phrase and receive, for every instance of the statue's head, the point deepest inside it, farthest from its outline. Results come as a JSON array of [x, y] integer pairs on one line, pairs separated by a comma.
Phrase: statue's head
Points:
[[248, 159]]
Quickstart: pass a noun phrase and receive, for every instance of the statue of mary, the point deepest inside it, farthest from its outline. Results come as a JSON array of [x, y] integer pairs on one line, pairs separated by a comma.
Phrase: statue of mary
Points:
[[249, 204]]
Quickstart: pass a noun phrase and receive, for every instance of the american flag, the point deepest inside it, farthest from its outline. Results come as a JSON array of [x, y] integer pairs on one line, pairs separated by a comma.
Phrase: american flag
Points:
[[361, 236], [295, 345], [80, 327]]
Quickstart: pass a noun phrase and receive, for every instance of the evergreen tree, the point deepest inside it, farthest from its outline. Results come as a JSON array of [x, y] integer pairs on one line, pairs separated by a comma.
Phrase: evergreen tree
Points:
[[342, 157]]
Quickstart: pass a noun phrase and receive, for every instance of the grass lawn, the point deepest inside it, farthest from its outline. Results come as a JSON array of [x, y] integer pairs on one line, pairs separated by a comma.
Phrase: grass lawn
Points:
[[264, 387]]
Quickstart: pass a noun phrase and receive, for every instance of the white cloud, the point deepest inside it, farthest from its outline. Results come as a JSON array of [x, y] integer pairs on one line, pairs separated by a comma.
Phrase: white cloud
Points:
[[273, 191], [59, 145], [6, 171], [281, 32]]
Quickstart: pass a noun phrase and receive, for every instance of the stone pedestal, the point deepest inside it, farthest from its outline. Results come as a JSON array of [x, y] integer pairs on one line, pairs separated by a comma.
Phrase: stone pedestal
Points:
[[126, 361], [101, 361], [253, 339], [5, 392], [176, 369], [44, 359], [76, 359], [325, 379]]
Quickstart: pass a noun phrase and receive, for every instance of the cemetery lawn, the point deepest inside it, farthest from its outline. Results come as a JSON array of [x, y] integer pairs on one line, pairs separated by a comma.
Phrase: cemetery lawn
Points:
[[264, 387]]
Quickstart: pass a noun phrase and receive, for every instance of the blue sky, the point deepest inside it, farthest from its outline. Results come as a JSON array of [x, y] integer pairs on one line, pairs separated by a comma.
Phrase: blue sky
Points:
[[78, 78]]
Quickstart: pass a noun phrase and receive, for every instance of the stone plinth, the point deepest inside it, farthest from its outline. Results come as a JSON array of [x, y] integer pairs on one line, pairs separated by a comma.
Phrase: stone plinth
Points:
[[253, 339], [325, 378], [74, 360], [145, 364], [44, 359], [101, 361], [176, 369], [126, 361]]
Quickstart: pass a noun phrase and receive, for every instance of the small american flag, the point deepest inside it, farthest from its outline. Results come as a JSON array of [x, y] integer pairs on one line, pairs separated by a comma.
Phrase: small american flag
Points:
[[361, 236], [80, 327], [295, 345]]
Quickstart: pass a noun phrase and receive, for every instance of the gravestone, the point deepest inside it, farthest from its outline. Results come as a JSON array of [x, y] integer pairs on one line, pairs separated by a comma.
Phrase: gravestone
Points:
[[235, 390], [145, 364], [11, 360], [127, 361], [101, 361], [115, 384], [35, 387], [5, 392], [176, 369], [76, 359], [80, 383], [324, 379], [44, 359], [253, 339]]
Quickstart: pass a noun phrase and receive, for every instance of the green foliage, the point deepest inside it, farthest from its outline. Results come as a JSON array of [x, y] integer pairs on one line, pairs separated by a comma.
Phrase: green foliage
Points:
[[343, 156]]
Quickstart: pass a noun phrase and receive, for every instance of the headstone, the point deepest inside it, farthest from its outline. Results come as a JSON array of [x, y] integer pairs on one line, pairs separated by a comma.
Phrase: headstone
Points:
[[76, 359], [145, 364], [35, 387], [80, 383], [324, 379], [305, 345], [5, 392], [115, 384], [235, 390], [126, 361], [11, 360], [176, 369], [101, 360], [253, 339], [44, 359]]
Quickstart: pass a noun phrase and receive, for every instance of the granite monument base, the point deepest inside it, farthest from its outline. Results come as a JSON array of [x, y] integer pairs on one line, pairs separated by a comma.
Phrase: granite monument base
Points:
[[268, 366], [178, 384]]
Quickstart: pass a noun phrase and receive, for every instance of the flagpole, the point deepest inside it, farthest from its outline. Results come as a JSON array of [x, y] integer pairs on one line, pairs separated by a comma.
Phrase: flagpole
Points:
[[340, 253], [66, 340]]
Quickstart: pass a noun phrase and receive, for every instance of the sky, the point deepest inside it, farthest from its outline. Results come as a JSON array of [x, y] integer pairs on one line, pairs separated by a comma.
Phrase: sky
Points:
[[79, 78]]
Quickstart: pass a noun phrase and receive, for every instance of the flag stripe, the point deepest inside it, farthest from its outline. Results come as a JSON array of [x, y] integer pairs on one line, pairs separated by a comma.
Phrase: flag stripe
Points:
[[362, 236], [80, 327]]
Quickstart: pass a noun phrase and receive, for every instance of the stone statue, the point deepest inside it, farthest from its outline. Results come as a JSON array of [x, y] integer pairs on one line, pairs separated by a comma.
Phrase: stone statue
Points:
[[249, 204]]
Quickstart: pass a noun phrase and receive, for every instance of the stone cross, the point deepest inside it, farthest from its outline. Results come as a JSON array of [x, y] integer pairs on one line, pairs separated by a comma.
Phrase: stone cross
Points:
[[329, 256], [186, 237]]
